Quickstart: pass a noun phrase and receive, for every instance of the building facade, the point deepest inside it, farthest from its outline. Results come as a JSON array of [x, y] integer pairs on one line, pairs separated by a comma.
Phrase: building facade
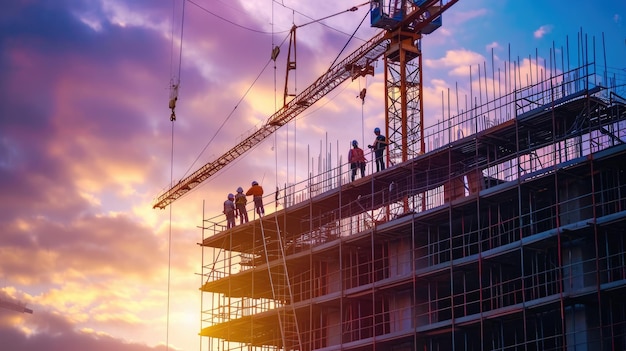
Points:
[[508, 234]]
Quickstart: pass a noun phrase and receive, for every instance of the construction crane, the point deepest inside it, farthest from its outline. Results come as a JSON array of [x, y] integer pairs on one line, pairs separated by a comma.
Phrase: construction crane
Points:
[[404, 22]]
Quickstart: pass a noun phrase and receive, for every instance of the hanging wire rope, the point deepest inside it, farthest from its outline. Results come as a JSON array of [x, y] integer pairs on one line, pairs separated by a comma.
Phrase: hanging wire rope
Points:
[[174, 85], [313, 20], [295, 83], [175, 78], [352, 9], [362, 95], [228, 117], [233, 23], [348, 42], [274, 57]]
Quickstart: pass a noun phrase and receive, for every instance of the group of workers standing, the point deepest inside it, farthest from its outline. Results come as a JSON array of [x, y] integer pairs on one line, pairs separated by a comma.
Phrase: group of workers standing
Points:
[[356, 156], [235, 205]]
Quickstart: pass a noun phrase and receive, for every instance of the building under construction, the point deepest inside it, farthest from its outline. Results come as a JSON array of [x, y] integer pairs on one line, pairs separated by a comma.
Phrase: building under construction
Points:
[[506, 234]]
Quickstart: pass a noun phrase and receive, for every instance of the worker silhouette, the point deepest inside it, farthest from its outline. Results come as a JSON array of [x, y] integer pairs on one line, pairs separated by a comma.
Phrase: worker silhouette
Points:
[[356, 158], [380, 143], [229, 211], [256, 191], [240, 204]]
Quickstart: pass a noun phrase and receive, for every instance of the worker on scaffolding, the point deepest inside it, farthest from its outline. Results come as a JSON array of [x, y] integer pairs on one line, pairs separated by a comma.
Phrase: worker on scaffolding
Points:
[[256, 191], [240, 204], [229, 211], [380, 143], [356, 158]]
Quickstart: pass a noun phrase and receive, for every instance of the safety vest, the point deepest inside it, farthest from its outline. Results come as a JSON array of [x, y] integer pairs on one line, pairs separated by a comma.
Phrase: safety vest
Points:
[[240, 199], [357, 155]]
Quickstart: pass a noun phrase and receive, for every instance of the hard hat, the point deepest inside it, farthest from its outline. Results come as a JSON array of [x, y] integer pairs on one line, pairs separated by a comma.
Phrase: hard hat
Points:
[[355, 143], [240, 190], [376, 130], [255, 182], [231, 196]]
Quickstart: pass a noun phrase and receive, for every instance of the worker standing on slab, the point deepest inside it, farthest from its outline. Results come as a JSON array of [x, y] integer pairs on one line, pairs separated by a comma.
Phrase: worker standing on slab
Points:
[[380, 143], [229, 211], [256, 191], [240, 203], [356, 158]]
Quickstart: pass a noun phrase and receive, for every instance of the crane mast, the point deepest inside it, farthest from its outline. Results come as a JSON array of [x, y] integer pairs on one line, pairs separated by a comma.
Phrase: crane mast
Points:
[[405, 21], [403, 28]]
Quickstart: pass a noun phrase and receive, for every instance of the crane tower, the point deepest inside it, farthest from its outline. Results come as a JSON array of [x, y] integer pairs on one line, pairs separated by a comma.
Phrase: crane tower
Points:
[[403, 70]]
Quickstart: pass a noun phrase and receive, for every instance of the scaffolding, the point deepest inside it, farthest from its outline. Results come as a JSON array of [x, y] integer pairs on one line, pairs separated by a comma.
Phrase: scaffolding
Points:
[[507, 234]]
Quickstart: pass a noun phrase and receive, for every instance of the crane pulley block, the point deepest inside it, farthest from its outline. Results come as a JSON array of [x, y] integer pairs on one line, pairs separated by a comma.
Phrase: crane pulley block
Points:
[[357, 70]]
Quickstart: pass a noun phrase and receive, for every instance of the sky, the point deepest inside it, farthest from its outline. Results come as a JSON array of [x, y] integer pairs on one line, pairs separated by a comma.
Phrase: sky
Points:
[[86, 141]]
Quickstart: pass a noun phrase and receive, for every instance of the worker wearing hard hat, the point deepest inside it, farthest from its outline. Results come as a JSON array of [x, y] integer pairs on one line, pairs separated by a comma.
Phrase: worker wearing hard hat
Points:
[[240, 203], [380, 143], [357, 160], [229, 211], [256, 191]]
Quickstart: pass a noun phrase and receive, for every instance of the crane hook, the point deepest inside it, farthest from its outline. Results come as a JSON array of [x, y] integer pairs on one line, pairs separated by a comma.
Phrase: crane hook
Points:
[[173, 99]]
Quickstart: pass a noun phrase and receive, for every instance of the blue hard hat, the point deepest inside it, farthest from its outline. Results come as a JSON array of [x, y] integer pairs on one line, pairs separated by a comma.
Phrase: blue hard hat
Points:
[[231, 196], [376, 130], [255, 182], [240, 190], [355, 143]]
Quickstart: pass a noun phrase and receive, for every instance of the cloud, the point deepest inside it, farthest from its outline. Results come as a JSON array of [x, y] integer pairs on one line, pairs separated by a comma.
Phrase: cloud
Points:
[[46, 331], [79, 162], [461, 17], [542, 31], [456, 62], [86, 144], [492, 45]]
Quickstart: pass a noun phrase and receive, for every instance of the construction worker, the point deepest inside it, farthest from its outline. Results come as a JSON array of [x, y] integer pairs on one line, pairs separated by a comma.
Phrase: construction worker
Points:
[[380, 143], [240, 203], [229, 211], [356, 158], [256, 191]]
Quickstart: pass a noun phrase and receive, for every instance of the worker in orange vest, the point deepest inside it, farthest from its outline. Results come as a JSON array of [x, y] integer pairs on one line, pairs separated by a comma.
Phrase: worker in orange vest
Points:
[[357, 160], [256, 191]]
